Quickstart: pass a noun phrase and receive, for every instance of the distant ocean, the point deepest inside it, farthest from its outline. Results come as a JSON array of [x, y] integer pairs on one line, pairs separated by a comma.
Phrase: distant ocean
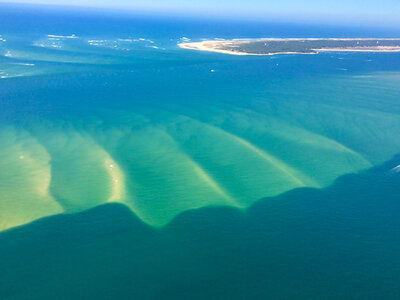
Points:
[[133, 169]]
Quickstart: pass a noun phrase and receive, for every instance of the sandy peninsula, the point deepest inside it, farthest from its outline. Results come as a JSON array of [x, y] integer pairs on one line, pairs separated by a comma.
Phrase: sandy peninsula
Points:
[[295, 46]]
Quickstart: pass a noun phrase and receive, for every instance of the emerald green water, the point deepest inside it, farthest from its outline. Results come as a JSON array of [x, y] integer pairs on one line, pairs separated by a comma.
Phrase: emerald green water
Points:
[[205, 146], [130, 170]]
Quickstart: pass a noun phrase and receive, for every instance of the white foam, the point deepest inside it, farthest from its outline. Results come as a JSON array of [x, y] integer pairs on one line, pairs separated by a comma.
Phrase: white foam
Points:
[[143, 40], [72, 36], [396, 169], [24, 64], [121, 44], [185, 39], [48, 44], [136, 40], [96, 41]]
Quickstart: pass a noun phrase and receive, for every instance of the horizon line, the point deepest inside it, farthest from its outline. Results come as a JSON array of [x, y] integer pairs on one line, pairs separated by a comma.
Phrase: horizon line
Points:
[[271, 17]]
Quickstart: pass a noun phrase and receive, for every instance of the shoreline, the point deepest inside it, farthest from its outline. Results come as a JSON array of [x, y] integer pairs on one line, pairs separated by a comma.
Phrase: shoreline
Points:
[[219, 46]]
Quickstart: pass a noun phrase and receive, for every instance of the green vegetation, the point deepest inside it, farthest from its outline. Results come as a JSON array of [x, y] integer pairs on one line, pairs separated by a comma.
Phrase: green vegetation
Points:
[[309, 45]]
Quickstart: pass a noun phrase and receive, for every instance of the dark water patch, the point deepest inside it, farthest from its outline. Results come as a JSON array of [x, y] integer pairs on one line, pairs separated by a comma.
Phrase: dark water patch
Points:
[[339, 242]]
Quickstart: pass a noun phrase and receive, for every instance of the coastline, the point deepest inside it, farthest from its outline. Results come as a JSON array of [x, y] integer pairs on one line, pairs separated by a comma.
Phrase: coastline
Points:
[[227, 46], [382, 49]]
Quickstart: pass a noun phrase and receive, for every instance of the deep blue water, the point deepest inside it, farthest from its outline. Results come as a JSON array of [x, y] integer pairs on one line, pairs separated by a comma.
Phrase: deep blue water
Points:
[[129, 170]]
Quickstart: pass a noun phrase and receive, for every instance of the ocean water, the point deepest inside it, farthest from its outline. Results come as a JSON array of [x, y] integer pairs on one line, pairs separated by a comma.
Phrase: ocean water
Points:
[[133, 169]]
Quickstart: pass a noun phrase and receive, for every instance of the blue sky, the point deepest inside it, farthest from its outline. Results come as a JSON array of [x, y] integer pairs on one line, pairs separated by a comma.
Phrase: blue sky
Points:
[[361, 11]]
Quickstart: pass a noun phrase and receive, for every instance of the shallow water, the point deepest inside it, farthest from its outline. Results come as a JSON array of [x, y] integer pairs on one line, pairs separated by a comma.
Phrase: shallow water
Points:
[[200, 138], [163, 164]]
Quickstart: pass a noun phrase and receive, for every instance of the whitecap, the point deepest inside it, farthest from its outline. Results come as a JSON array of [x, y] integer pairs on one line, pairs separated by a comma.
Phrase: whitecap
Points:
[[143, 40], [126, 40], [185, 39], [24, 64], [96, 41], [395, 169], [72, 36]]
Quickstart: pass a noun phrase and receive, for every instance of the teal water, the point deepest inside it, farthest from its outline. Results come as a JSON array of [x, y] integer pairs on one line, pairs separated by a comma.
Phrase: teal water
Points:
[[131, 168]]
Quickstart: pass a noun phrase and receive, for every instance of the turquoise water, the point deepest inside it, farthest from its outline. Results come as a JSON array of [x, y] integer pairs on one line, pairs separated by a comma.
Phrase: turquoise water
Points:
[[131, 168]]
